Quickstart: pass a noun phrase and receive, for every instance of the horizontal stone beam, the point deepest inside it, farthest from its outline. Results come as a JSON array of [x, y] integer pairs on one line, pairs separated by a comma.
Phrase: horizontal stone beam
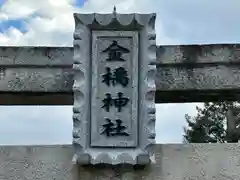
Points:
[[185, 73], [36, 56], [173, 161], [198, 73], [36, 75]]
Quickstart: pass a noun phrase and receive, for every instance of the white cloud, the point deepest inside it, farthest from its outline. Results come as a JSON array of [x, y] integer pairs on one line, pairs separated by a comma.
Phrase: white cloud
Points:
[[200, 21], [51, 23], [53, 18], [17, 9]]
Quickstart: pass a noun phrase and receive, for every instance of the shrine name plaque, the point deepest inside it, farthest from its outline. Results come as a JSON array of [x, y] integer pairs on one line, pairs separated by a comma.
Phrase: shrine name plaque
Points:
[[114, 88], [114, 104]]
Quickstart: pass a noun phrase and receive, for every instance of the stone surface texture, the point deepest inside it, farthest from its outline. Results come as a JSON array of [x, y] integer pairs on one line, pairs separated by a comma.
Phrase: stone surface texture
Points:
[[209, 72], [129, 113], [206, 67], [36, 75], [173, 162], [86, 71], [36, 56]]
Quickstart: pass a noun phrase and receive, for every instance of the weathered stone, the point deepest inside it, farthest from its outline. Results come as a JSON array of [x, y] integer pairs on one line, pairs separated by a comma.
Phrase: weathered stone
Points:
[[129, 113], [204, 69], [37, 79], [202, 78], [36, 56], [173, 161], [130, 138], [208, 53]]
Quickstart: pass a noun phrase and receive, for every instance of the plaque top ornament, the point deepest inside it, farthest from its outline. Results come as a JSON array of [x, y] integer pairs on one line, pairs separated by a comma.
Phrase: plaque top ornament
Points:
[[114, 10], [115, 21], [114, 88]]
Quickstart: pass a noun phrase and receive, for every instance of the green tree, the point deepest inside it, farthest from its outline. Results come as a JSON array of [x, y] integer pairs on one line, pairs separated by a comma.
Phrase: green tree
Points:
[[209, 125]]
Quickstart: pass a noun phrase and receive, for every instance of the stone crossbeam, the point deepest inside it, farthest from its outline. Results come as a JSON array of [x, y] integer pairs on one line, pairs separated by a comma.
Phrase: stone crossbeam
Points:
[[173, 162], [185, 73]]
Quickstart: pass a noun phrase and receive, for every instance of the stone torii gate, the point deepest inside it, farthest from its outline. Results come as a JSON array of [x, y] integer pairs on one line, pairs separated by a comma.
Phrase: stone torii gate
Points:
[[185, 73]]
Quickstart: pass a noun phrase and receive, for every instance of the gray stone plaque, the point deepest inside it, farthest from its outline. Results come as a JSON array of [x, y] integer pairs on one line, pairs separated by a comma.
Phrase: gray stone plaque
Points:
[[113, 125], [114, 88]]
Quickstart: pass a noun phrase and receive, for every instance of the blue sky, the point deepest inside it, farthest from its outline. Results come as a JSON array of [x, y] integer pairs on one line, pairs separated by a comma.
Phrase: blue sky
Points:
[[20, 23], [1, 2], [50, 23], [79, 3]]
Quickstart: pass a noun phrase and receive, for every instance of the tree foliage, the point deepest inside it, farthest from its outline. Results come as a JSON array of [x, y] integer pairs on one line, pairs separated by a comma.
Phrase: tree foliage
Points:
[[209, 125]]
